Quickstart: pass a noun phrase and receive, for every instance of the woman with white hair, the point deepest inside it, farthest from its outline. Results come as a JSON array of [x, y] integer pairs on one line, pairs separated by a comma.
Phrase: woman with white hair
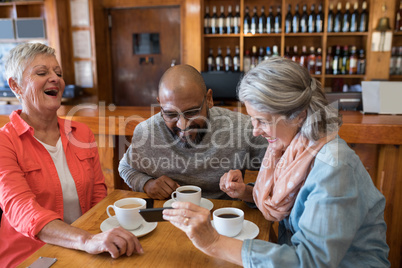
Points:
[[330, 213], [50, 172]]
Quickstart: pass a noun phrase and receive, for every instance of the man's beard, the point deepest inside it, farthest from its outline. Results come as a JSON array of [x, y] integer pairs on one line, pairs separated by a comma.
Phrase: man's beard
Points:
[[188, 143]]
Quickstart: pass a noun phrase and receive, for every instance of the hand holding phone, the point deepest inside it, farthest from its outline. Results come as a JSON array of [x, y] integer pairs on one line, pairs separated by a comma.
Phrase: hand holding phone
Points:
[[153, 214]]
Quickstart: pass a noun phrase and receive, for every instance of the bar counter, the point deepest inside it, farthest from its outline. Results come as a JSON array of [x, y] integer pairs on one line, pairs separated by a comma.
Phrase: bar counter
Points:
[[376, 139]]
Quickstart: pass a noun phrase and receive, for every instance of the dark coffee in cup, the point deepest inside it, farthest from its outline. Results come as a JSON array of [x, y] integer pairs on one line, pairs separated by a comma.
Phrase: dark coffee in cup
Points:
[[228, 215], [188, 191]]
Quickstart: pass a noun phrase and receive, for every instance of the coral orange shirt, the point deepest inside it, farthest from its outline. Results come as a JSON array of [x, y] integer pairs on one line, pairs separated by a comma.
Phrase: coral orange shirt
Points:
[[30, 189]]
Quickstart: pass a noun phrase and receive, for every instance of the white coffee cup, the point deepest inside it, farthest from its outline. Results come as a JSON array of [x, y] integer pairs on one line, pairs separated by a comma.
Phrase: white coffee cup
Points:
[[228, 221], [188, 193], [126, 211]]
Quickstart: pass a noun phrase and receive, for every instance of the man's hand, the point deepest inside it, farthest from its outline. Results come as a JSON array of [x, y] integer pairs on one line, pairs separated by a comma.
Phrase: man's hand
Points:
[[160, 188]]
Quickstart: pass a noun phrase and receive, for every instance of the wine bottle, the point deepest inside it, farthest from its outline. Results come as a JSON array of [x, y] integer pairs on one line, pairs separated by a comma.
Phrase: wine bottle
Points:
[[246, 22], [261, 22], [219, 60], [207, 21], [295, 55], [214, 21], [268, 53], [275, 51], [254, 22], [229, 21], [303, 57], [345, 60], [296, 20], [336, 61], [211, 61], [311, 61], [346, 19], [236, 21], [228, 61], [330, 25], [288, 20], [329, 61], [363, 25], [392, 62], [398, 22], [236, 60], [318, 62], [398, 67], [311, 19], [304, 20], [246, 61], [260, 55], [278, 20], [354, 18], [222, 21], [254, 57], [270, 21], [361, 63], [353, 61], [287, 53], [319, 23], [338, 19]]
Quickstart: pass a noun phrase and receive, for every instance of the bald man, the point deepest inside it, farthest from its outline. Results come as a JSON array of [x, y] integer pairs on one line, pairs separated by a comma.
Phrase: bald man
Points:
[[189, 142]]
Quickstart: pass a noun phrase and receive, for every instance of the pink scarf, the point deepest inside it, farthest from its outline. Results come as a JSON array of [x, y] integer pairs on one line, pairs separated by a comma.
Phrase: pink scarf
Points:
[[281, 177]]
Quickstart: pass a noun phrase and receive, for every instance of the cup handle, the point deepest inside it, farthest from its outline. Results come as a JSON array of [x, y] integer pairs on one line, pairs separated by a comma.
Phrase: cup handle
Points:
[[107, 210], [173, 196]]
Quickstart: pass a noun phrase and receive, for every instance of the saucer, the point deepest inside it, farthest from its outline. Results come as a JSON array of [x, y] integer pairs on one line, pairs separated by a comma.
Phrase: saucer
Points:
[[249, 231], [145, 227], [205, 203]]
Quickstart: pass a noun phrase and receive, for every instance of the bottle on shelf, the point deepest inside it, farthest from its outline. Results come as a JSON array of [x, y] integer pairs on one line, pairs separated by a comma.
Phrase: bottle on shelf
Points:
[[246, 21], [236, 60], [392, 62], [330, 25], [229, 21], [207, 21], [318, 62], [222, 21], [211, 61], [287, 53], [346, 19], [361, 63], [275, 51], [319, 23], [353, 61], [295, 55], [254, 57], [398, 67], [278, 20], [261, 55], [329, 61], [228, 61], [246, 61], [261, 22], [254, 22], [270, 21], [288, 20], [268, 53], [345, 60], [304, 20], [337, 61], [236, 21], [303, 56], [219, 60], [338, 19], [354, 18], [398, 21], [214, 21], [363, 24], [311, 61], [311, 19], [296, 20]]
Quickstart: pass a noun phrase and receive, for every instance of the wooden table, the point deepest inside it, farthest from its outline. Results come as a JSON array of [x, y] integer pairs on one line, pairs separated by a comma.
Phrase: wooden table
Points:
[[166, 246]]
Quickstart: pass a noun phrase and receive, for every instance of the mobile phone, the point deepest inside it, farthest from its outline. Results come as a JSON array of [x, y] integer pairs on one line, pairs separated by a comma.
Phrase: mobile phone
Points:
[[153, 214], [43, 262]]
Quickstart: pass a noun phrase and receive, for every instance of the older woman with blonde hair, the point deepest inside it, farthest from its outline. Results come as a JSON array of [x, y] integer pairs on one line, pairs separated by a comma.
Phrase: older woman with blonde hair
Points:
[[330, 213], [50, 172]]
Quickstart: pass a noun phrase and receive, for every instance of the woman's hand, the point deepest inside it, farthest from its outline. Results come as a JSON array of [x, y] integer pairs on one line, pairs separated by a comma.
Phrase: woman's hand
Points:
[[117, 242], [195, 221]]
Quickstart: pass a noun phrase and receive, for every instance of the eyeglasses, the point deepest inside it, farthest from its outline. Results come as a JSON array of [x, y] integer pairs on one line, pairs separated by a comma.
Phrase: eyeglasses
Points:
[[189, 114]]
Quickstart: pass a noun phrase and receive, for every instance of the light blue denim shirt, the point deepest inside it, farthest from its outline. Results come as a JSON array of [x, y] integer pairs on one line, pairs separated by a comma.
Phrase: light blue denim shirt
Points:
[[337, 219]]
